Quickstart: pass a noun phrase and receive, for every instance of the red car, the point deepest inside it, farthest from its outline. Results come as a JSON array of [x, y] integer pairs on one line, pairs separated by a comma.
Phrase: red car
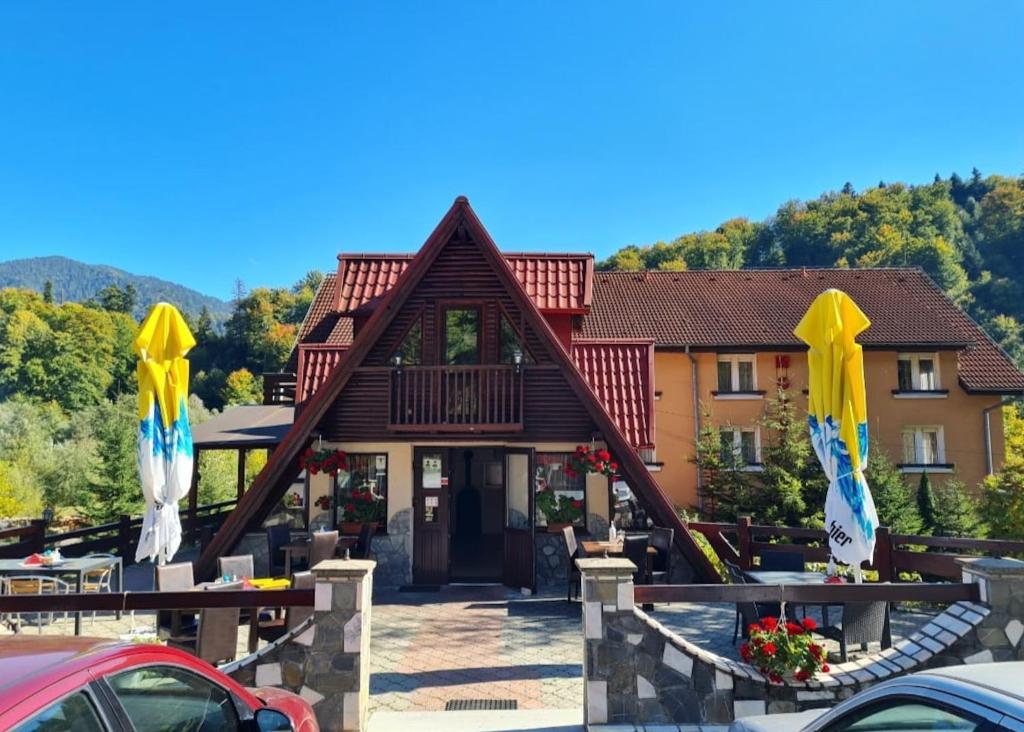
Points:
[[60, 684]]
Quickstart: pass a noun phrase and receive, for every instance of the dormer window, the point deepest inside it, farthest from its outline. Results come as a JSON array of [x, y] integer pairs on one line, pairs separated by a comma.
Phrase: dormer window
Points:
[[917, 372]]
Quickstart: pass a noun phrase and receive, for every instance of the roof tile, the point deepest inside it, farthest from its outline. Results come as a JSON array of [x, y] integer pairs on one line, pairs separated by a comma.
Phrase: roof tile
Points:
[[619, 372]]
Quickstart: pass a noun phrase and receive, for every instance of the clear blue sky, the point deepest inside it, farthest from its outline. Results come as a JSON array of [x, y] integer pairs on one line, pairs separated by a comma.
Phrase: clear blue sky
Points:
[[257, 139]]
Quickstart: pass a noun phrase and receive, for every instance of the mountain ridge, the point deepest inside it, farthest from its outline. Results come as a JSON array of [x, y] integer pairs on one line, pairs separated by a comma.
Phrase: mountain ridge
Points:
[[74, 281]]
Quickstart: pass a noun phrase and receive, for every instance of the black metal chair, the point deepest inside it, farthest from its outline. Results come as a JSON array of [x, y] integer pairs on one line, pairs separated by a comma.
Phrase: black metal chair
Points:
[[661, 540], [572, 572], [748, 612], [277, 536], [634, 548], [363, 544], [773, 561], [863, 623]]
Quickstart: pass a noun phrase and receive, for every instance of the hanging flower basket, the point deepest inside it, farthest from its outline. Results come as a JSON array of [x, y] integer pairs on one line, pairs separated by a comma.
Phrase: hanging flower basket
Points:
[[323, 461], [783, 650], [590, 460]]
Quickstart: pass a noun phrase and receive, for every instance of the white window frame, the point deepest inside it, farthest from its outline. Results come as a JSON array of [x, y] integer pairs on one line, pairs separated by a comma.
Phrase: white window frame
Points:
[[737, 446], [916, 392], [941, 462], [734, 360]]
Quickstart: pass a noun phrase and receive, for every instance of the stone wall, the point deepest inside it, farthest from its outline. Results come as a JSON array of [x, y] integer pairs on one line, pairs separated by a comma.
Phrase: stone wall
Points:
[[326, 660], [393, 551], [638, 672]]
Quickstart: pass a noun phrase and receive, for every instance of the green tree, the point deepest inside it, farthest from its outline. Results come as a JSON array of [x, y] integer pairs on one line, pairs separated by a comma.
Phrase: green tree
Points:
[[726, 490], [48, 292], [1002, 496], [926, 507], [241, 387], [114, 487], [786, 457], [959, 514], [117, 299], [894, 498]]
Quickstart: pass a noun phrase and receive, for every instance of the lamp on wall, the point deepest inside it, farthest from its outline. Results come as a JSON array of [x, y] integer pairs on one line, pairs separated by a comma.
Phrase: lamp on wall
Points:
[[396, 360], [517, 358]]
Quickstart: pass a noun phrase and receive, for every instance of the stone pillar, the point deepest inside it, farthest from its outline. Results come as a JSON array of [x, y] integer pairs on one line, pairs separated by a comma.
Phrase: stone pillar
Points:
[[610, 684], [338, 663], [1001, 587]]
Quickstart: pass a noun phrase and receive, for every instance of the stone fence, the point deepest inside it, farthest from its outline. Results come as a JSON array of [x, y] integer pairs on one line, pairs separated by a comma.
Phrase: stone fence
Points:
[[638, 672], [326, 660]]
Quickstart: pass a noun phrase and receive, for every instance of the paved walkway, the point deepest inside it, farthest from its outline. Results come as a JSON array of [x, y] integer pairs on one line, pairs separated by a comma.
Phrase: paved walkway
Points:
[[474, 643]]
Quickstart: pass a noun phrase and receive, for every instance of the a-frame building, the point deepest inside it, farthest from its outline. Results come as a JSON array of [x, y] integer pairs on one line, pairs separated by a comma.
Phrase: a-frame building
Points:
[[458, 386]]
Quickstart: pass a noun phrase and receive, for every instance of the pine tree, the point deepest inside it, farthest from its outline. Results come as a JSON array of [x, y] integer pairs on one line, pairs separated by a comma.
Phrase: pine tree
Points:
[[959, 514], [786, 457], [894, 498], [926, 507], [48, 292], [726, 491]]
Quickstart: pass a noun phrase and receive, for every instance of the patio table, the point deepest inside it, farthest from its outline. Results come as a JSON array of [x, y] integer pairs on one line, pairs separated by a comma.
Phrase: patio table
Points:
[[76, 566]]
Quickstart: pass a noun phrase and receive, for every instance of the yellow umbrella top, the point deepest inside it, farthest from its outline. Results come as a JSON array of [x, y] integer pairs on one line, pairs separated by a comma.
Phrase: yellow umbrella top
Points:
[[836, 365], [161, 344]]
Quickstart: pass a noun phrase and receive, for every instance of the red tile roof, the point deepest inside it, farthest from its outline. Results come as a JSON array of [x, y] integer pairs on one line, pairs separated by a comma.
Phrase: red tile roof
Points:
[[316, 361], [621, 374], [760, 308], [321, 324], [555, 282]]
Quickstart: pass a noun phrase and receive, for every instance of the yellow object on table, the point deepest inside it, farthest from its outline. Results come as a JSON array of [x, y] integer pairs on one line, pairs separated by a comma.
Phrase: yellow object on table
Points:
[[271, 583]]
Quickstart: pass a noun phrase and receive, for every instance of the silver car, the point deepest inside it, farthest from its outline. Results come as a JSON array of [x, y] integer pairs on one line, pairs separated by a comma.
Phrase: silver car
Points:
[[986, 697]]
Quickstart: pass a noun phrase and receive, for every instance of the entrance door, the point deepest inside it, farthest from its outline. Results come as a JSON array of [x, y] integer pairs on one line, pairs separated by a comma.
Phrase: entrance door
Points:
[[431, 532], [518, 559]]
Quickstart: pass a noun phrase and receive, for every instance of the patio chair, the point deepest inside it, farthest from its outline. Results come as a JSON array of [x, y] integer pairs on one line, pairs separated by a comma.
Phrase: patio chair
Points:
[[362, 548], [661, 540], [634, 548], [572, 572], [216, 637], [294, 616], [774, 561], [236, 567], [30, 584], [747, 612], [323, 546], [863, 623], [176, 577], [98, 580], [277, 537]]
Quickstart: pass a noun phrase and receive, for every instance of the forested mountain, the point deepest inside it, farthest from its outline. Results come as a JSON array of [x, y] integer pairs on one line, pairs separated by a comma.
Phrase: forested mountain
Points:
[[74, 281], [967, 234]]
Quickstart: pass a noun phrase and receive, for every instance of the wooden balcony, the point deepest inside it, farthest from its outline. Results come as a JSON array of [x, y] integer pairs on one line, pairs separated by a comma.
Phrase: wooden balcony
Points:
[[456, 399], [278, 388]]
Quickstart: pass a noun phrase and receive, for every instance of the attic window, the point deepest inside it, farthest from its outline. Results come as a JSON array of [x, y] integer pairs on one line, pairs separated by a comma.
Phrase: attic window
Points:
[[410, 350]]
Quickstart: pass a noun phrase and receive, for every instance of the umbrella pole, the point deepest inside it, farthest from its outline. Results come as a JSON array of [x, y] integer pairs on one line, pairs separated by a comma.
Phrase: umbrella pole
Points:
[[858, 575]]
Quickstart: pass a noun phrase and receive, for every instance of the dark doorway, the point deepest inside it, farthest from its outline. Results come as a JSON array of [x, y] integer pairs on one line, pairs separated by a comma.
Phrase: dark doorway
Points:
[[477, 514]]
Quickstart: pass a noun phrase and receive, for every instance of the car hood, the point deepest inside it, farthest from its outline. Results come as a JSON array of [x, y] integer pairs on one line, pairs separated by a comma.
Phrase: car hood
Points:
[[776, 722]]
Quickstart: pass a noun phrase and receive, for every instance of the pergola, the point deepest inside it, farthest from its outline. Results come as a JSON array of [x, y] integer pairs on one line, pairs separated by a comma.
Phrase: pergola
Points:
[[241, 428]]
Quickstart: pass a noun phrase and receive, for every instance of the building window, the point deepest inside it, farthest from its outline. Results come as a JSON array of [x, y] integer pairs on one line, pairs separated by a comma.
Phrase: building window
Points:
[[923, 446], [551, 478], [740, 447], [510, 343], [462, 336], [917, 372], [361, 492], [736, 375], [410, 350]]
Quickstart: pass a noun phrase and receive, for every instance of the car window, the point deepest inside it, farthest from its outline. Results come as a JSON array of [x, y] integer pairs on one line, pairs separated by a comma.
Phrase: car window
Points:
[[168, 699], [74, 713], [907, 716]]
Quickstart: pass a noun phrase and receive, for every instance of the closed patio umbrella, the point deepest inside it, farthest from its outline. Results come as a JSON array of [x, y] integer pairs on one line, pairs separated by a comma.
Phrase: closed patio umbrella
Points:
[[165, 439], [837, 414]]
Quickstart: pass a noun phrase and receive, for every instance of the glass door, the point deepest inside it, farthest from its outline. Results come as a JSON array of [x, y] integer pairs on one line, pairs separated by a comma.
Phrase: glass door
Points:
[[518, 555]]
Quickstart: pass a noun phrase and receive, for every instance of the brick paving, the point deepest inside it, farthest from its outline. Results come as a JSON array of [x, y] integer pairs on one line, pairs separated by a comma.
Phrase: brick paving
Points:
[[474, 643]]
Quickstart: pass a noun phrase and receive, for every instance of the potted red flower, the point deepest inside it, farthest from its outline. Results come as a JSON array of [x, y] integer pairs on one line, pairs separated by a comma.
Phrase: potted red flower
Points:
[[560, 511], [323, 461], [784, 649], [592, 460], [361, 507]]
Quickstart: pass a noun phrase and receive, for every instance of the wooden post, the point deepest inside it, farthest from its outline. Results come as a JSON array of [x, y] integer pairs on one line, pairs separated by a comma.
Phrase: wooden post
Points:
[[241, 473], [883, 561], [124, 538], [743, 524], [193, 498], [37, 539]]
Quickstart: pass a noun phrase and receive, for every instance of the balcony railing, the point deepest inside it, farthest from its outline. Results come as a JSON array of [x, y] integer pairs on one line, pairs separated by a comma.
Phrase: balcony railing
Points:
[[278, 388], [456, 399]]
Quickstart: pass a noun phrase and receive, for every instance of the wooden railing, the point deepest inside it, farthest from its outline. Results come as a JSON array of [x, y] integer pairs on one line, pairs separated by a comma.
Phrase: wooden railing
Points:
[[119, 537], [456, 399], [741, 542], [279, 388], [124, 601], [942, 592]]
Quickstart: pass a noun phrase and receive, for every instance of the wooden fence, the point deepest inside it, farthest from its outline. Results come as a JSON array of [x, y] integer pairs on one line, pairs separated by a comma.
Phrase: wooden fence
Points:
[[125, 601], [942, 592], [119, 537], [933, 556]]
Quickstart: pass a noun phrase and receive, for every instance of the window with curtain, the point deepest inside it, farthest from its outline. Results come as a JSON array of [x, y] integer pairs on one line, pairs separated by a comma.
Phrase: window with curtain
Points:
[[736, 374], [917, 372], [740, 447], [923, 446]]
